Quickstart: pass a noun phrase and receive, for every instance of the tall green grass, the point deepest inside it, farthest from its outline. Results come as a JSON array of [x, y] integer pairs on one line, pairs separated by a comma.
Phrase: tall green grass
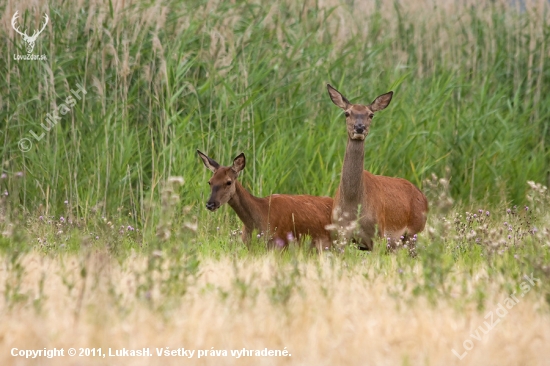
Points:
[[163, 78]]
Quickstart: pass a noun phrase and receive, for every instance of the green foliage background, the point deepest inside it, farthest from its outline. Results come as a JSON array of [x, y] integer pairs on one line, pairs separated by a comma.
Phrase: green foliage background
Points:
[[164, 78]]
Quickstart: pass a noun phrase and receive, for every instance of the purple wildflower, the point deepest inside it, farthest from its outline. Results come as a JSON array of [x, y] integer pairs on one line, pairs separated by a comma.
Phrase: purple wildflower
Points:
[[290, 236], [41, 218], [19, 174], [62, 219], [487, 213], [129, 228], [3, 176], [279, 243]]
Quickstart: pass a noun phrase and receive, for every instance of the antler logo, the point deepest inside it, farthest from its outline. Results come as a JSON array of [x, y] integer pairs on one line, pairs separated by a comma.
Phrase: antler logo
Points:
[[29, 40]]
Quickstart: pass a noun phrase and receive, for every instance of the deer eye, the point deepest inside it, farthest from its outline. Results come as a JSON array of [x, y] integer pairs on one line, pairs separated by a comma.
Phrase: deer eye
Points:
[[371, 116], [209, 183], [228, 183], [347, 114]]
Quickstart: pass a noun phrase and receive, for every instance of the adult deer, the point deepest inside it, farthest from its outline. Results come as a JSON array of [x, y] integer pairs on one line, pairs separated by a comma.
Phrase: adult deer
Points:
[[393, 206], [279, 217]]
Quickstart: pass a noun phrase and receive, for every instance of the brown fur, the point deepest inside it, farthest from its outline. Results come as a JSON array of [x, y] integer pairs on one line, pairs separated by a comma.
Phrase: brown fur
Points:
[[275, 216], [392, 206]]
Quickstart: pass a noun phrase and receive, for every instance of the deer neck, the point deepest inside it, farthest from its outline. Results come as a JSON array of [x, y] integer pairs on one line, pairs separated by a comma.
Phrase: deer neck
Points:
[[351, 183], [247, 207]]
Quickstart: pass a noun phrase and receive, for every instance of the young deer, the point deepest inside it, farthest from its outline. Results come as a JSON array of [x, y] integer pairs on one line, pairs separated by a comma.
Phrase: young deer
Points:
[[279, 216], [393, 206]]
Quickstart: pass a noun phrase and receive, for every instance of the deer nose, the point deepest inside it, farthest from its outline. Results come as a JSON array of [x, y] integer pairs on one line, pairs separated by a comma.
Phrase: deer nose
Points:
[[359, 128], [210, 206]]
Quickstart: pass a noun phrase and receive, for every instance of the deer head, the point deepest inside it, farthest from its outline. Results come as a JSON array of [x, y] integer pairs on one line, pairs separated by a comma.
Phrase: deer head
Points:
[[222, 183], [359, 117], [29, 40]]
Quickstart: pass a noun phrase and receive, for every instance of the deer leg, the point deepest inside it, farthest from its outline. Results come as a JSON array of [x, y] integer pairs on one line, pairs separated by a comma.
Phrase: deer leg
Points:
[[246, 237]]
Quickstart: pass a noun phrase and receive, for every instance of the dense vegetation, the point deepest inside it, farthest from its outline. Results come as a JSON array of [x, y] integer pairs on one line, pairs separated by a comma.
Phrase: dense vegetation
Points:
[[164, 78], [95, 222]]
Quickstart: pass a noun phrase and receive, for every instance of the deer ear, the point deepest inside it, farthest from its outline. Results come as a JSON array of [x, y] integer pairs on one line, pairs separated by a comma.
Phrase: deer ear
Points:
[[381, 102], [338, 98], [239, 163], [211, 164]]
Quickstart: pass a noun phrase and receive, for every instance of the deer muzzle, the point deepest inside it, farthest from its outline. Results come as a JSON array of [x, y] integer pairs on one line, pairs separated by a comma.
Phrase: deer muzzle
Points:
[[211, 206], [359, 128]]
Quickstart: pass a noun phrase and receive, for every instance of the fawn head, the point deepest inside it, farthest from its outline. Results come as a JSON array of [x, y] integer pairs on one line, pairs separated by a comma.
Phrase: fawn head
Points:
[[359, 117], [222, 183]]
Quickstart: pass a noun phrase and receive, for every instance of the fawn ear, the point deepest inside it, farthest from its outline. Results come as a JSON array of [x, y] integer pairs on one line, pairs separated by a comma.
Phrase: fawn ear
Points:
[[338, 98], [381, 102], [211, 164], [239, 163]]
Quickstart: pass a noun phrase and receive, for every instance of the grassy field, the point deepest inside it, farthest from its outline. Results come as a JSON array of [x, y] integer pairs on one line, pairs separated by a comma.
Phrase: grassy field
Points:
[[104, 238]]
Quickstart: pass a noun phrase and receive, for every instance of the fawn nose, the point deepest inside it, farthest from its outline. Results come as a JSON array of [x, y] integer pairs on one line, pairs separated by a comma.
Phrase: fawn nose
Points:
[[210, 206], [359, 128]]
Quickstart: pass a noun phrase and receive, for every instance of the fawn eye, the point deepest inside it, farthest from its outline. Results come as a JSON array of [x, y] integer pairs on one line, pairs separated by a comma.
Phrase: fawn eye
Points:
[[347, 114], [228, 183], [371, 116], [209, 183]]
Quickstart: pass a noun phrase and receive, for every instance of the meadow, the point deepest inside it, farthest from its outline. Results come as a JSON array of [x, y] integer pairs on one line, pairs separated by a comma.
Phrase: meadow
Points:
[[105, 241]]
